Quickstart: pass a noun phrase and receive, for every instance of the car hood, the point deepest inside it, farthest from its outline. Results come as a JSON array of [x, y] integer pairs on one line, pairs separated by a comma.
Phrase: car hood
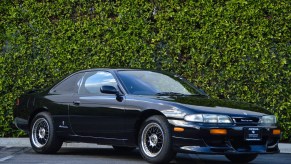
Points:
[[203, 104]]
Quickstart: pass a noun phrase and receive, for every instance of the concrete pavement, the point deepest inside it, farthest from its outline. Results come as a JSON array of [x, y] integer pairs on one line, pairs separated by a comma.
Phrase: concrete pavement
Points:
[[24, 142]]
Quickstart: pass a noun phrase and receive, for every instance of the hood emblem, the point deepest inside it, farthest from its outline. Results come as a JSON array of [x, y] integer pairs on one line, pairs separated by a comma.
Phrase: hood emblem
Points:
[[245, 113], [246, 120]]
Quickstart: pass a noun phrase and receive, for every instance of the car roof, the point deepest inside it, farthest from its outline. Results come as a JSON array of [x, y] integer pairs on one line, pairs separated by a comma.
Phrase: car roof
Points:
[[113, 69]]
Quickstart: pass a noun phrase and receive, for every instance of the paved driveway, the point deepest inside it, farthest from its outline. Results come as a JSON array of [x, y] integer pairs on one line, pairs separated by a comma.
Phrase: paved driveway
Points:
[[106, 155]]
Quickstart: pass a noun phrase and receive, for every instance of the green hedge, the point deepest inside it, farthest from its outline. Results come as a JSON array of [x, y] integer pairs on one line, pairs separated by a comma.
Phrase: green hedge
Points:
[[236, 49]]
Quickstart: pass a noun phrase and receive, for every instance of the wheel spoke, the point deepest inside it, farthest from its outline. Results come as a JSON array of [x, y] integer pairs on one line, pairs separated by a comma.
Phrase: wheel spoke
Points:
[[153, 139], [40, 132]]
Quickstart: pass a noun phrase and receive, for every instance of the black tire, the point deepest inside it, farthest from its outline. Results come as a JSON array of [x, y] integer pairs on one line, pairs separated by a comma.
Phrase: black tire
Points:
[[241, 158], [154, 140], [43, 138], [123, 148]]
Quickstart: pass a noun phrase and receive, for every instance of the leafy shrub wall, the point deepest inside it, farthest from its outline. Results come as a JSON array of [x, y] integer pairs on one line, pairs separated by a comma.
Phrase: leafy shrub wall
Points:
[[235, 49]]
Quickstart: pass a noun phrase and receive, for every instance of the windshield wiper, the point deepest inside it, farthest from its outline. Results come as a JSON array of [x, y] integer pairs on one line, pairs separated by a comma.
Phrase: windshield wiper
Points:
[[169, 94], [177, 94]]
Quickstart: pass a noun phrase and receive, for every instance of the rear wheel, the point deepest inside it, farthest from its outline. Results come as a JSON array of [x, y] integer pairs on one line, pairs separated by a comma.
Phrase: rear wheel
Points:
[[154, 140], [42, 134], [241, 158]]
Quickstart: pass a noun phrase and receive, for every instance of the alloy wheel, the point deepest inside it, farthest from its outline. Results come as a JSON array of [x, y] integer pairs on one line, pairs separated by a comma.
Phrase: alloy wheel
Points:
[[40, 132], [152, 139]]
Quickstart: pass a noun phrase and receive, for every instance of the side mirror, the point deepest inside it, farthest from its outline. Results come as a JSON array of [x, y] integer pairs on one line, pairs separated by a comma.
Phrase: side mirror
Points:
[[108, 89]]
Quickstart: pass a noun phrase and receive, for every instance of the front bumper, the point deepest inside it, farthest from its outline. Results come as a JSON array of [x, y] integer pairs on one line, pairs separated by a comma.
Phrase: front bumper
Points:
[[196, 138]]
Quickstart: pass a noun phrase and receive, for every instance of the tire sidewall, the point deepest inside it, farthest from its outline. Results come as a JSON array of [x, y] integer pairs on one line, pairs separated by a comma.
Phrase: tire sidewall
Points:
[[46, 148], [167, 153]]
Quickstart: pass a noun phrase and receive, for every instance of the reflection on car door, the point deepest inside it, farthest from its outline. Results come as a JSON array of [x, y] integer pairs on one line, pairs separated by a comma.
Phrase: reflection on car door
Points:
[[94, 113]]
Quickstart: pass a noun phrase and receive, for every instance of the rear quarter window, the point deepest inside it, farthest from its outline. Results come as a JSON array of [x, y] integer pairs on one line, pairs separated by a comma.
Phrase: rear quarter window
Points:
[[68, 86]]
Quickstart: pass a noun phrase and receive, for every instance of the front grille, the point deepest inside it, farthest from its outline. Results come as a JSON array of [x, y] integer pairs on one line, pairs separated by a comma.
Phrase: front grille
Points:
[[246, 121]]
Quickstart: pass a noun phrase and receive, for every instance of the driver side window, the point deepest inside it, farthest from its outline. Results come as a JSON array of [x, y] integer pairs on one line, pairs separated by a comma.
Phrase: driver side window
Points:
[[93, 81]]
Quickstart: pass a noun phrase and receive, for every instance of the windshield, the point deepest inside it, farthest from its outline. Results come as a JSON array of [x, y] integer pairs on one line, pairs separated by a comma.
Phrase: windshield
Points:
[[153, 83]]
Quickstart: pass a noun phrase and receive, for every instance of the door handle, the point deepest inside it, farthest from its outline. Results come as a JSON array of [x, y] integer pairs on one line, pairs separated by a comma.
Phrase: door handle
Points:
[[76, 102]]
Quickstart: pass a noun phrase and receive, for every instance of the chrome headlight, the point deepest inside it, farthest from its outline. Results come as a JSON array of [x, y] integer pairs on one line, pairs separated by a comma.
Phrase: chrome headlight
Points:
[[208, 118], [268, 119]]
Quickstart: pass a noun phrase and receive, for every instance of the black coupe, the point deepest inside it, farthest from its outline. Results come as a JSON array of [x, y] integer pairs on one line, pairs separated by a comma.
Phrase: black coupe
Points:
[[159, 113]]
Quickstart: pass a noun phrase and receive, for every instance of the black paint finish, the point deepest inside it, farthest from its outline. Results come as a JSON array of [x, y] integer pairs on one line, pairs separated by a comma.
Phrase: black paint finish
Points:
[[115, 119]]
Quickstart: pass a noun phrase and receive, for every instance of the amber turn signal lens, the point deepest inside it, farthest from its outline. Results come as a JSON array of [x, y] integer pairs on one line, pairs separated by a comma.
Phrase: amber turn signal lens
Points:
[[218, 131], [177, 129], [276, 131]]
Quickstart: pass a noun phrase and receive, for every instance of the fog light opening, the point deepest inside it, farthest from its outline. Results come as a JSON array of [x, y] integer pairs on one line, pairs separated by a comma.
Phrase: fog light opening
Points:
[[218, 131]]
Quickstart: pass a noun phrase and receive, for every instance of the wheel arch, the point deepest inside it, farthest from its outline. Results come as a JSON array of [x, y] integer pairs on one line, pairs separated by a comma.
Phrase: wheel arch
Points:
[[34, 113], [143, 116]]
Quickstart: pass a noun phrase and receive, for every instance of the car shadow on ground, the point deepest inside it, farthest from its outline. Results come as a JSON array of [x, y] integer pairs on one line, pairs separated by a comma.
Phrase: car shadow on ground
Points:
[[112, 154]]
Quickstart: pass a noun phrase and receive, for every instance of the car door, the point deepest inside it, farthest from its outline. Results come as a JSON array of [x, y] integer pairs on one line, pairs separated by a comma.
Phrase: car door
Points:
[[96, 114], [58, 100]]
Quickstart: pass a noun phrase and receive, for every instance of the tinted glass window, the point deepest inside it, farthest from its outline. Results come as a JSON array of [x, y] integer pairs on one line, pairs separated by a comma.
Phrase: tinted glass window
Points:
[[151, 83], [69, 85], [94, 80]]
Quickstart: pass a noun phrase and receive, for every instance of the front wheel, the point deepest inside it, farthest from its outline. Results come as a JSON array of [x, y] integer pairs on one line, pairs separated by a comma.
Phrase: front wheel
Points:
[[241, 158], [42, 134], [154, 140]]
